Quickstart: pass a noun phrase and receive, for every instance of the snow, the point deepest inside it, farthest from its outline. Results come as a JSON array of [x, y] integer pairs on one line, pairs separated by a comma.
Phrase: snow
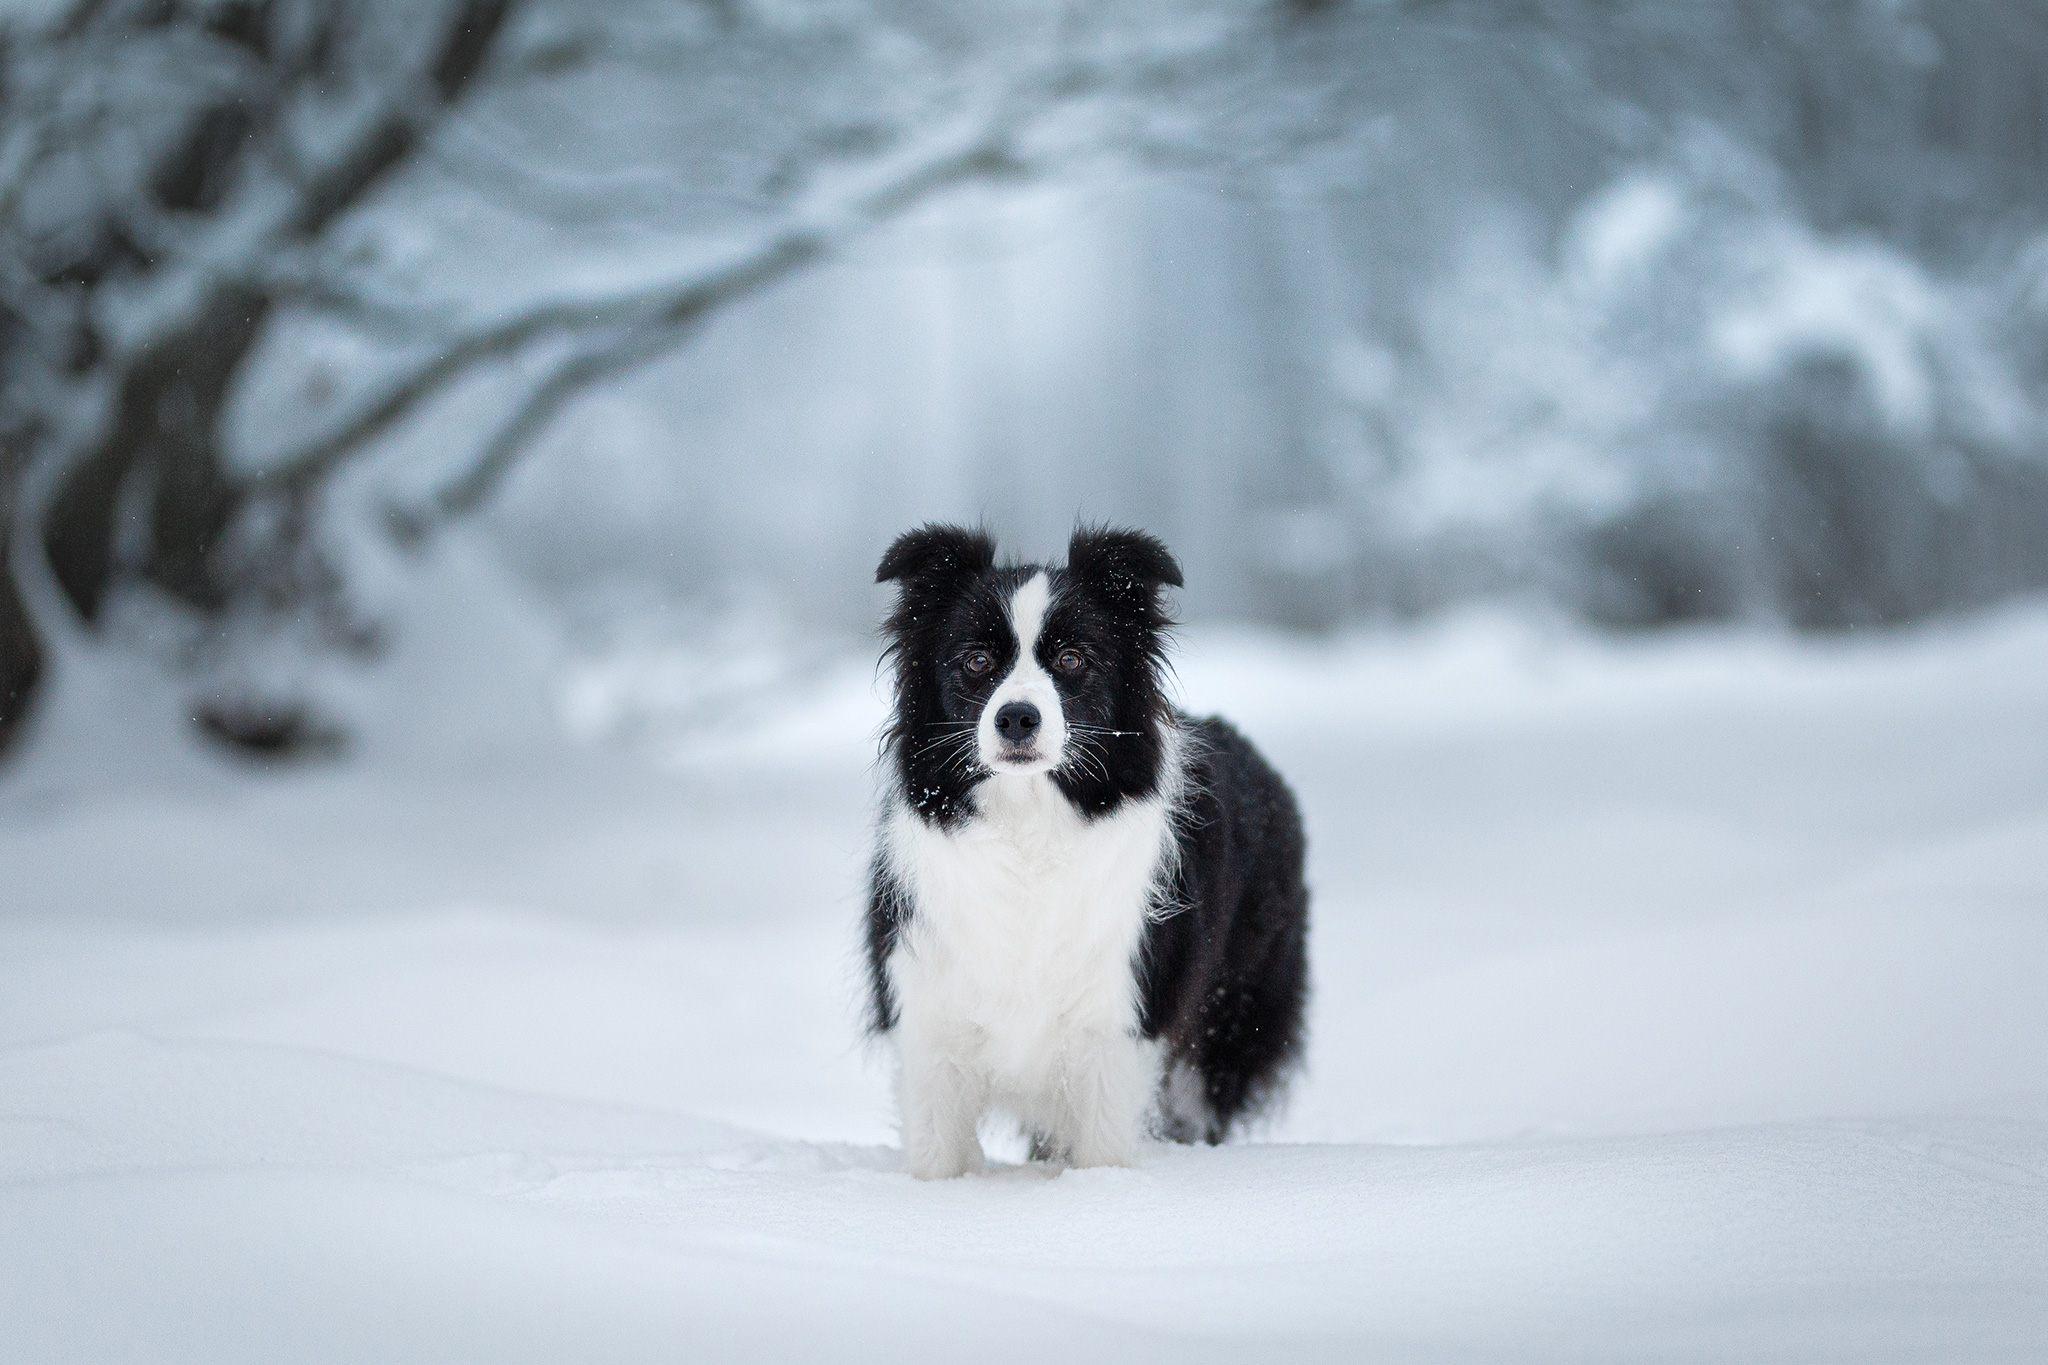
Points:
[[1677, 998]]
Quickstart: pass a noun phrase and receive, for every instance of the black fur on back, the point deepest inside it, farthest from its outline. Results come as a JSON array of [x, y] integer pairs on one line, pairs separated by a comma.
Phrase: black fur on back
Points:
[[1222, 972], [1224, 978]]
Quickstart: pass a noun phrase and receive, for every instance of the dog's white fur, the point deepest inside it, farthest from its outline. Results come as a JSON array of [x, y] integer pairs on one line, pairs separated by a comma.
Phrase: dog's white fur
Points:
[[1014, 979], [1029, 682]]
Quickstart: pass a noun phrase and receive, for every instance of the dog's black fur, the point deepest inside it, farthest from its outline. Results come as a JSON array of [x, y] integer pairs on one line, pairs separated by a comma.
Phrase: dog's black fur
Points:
[[1224, 978], [1222, 973]]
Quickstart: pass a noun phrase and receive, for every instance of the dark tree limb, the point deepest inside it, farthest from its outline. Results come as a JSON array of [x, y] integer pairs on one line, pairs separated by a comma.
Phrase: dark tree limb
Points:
[[166, 425], [397, 134], [21, 653], [21, 658]]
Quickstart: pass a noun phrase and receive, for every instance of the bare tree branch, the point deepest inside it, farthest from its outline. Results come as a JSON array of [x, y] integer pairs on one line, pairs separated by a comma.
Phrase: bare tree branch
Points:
[[569, 379], [394, 136], [646, 322]]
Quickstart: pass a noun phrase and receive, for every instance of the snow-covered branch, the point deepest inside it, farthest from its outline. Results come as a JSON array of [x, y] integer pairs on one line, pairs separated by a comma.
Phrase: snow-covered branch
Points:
[[615, 332]]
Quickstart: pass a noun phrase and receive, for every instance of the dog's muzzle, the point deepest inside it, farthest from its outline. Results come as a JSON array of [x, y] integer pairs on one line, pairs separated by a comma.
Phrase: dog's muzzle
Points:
[[1017, 726]]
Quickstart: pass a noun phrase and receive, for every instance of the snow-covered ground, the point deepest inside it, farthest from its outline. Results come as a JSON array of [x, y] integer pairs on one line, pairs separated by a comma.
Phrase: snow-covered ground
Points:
[[1677, 998]]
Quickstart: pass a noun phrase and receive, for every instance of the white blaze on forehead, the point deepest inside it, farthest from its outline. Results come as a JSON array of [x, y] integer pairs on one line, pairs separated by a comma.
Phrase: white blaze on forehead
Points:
[[1027, 616], [1027, 681]]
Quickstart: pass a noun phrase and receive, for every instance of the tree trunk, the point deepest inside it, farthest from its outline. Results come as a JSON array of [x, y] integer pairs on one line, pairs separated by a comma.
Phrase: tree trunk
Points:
[[166, 428], [21, 654], [166, 421]]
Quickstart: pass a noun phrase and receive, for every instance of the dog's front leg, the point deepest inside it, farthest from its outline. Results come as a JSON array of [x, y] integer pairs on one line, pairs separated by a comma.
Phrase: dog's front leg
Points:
[[939, 1103], [1106, 1090]]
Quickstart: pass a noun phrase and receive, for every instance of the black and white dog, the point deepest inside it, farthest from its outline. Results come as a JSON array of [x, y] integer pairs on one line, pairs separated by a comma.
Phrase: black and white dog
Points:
[[1087, 909]]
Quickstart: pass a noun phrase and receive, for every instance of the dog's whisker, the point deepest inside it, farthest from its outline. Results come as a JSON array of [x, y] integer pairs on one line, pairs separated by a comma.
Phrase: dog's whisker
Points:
[[959, 738], [1089, 757]]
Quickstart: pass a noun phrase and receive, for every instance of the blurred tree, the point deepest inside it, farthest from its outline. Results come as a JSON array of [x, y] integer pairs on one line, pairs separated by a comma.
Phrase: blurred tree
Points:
[[160, 161], [173, 172], [178, 178]]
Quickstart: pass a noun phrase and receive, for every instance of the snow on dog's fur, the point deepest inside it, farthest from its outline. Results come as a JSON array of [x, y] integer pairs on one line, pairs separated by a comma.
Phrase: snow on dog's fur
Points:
[[1087, 909]]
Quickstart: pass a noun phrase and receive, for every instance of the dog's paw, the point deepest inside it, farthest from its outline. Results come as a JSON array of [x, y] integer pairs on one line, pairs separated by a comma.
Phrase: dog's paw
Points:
[[943, 1165], [1086, 1156]]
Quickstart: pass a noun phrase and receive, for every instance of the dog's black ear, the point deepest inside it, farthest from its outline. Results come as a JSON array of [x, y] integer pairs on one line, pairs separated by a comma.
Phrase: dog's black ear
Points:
[[1121, 564], [936, 551]]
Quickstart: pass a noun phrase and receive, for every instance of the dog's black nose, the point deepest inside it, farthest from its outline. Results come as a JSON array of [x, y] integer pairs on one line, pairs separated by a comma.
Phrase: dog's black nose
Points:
[[1017, 721]]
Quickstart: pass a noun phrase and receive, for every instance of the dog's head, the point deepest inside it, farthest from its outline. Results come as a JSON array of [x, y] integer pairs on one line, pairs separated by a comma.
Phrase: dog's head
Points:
[[1028, 668]]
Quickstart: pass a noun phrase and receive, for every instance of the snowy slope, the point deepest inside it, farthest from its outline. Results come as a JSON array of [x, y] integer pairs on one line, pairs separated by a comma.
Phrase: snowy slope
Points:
[[1676, 999]]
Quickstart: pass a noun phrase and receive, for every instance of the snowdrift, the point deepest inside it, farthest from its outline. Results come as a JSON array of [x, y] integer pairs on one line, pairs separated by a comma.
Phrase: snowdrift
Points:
[[1676, 999]]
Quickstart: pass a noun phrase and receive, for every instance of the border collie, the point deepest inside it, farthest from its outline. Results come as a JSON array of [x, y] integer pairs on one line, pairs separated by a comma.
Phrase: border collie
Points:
[[1086, 908]]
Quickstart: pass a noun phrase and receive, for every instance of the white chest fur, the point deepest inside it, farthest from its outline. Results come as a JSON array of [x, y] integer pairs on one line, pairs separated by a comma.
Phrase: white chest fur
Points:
[[1013, 980]]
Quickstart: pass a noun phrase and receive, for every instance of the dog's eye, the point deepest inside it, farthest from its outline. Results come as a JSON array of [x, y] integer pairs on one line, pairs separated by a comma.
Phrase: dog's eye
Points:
[[1070, 661], [977, 663]]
